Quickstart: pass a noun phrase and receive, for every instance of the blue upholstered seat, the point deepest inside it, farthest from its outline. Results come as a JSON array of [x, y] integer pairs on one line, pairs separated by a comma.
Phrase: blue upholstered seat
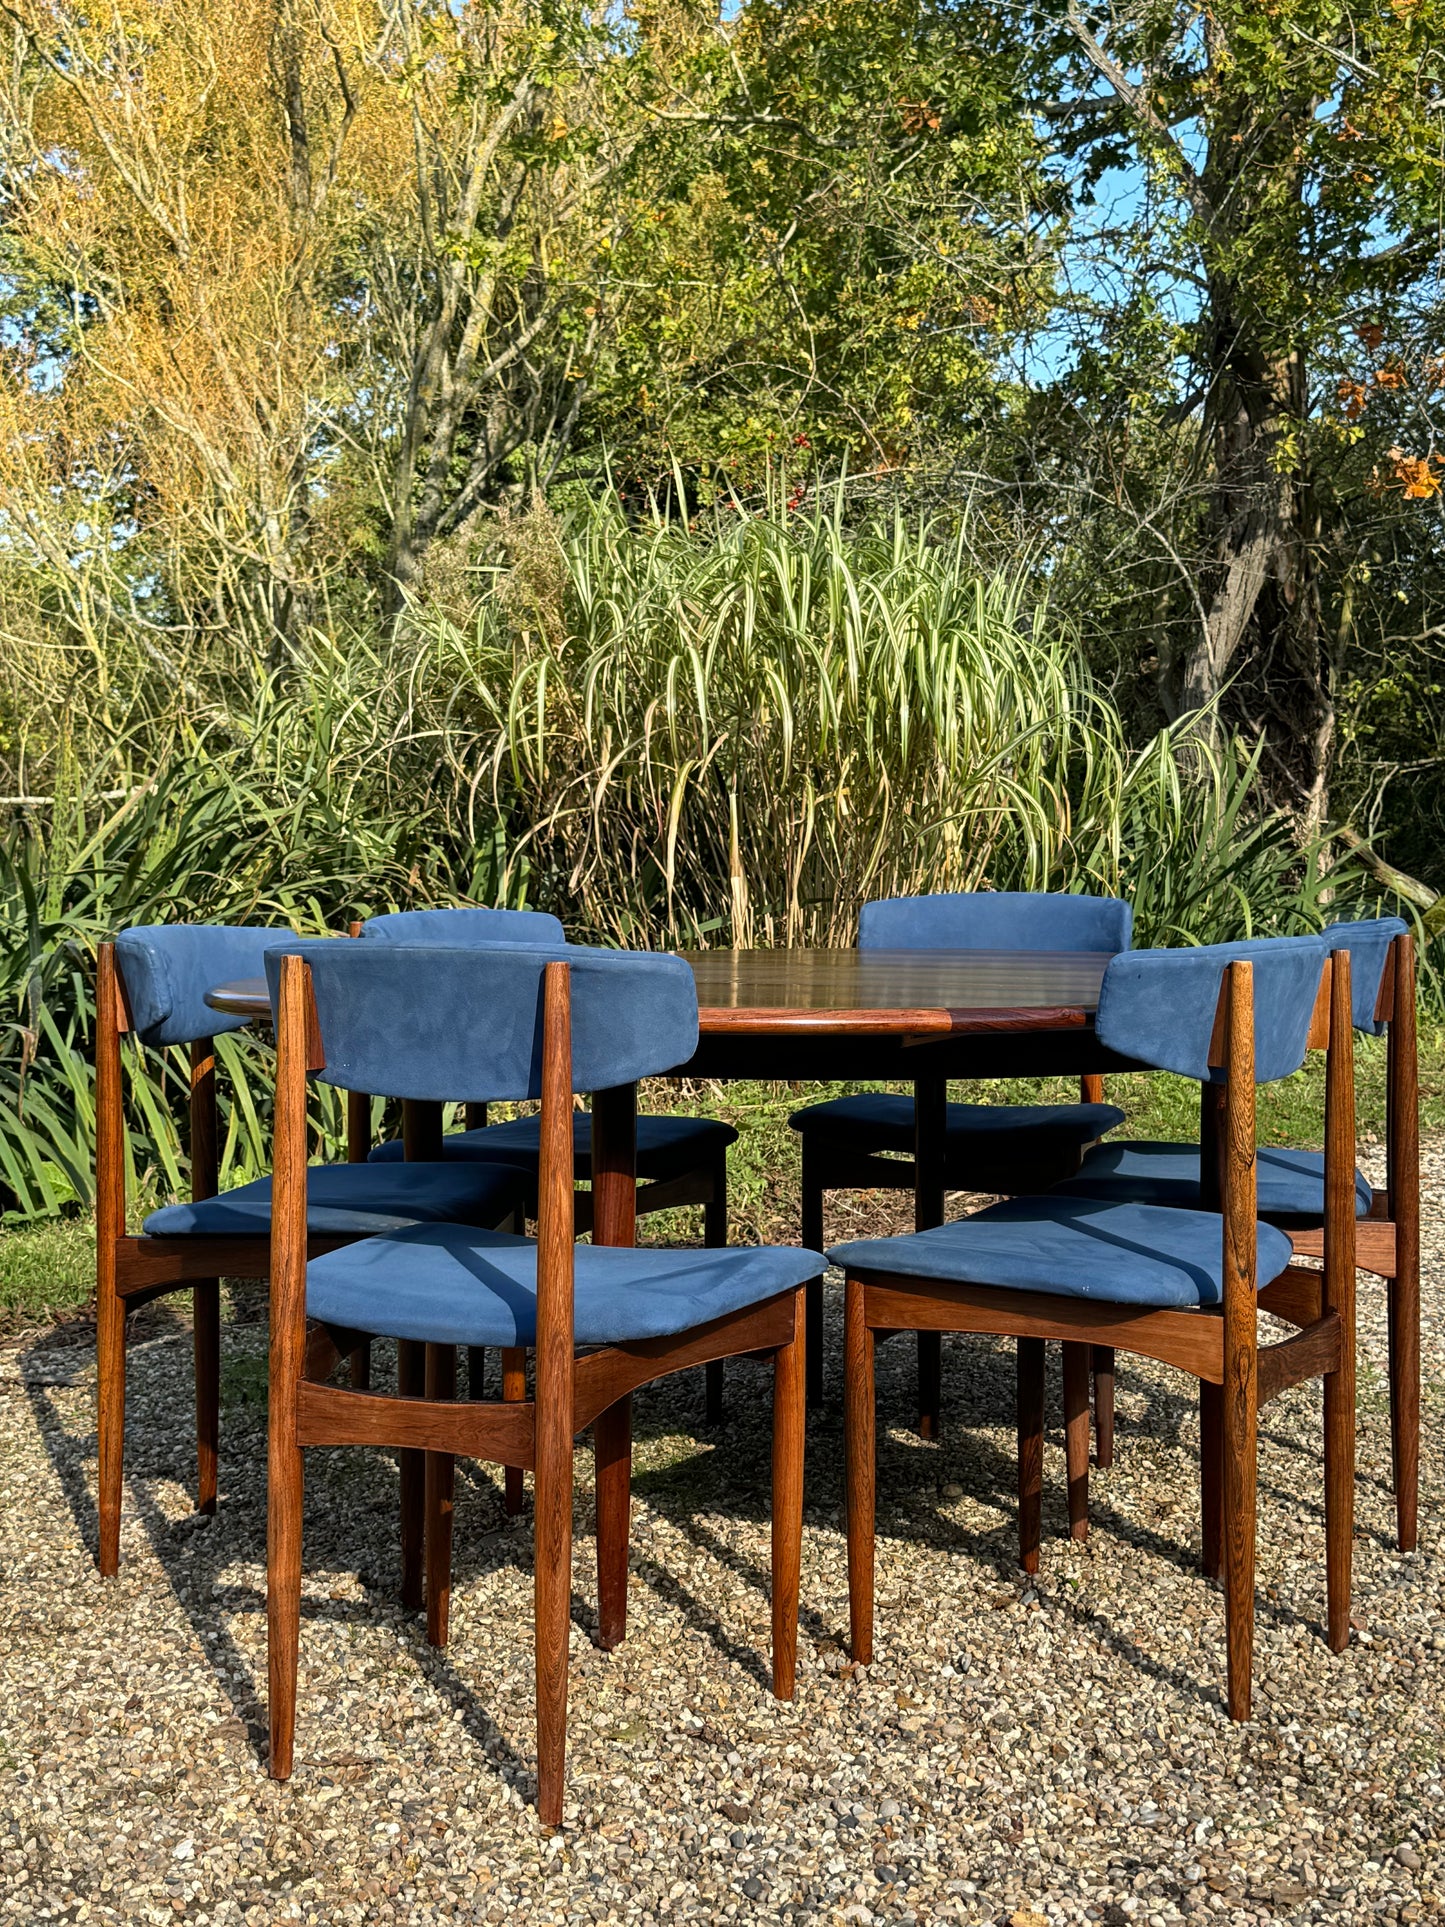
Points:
[[453, 1286], [1291, 1183], [987, 1140], [667, 1147], [882, 1121], [357, 1199], [1125, 1254]]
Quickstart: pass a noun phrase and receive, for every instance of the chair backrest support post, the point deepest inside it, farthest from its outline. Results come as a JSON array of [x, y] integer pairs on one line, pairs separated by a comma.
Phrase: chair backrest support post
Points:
[[1240, 1196], [205, 1162], [288, 1189], [1339, 1247], [556, 1229], [109, 1097], [1402, 1101]]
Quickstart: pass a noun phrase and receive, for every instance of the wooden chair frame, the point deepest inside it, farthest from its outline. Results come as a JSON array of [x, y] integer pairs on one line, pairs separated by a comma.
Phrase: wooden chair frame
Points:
[[133, 1271], [1218, 1347], [832, 1168], [1387, 1241], [572, 1392]]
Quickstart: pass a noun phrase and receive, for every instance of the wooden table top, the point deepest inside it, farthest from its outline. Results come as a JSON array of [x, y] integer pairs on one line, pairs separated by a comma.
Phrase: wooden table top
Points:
[[858, 993]]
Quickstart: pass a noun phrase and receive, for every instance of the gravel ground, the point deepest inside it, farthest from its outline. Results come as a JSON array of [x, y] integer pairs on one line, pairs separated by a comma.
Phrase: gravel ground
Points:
[[1020, 1752]]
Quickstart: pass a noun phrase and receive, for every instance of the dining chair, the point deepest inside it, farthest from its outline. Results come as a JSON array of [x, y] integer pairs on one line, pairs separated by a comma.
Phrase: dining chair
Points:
[[870, 1141], [432, 1024], [151, 985], [1292, 1182], [1182, 1287], [680, 1160]]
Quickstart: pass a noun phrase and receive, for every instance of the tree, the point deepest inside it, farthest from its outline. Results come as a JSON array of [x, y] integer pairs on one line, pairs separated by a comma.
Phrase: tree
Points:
[[1291, 153]]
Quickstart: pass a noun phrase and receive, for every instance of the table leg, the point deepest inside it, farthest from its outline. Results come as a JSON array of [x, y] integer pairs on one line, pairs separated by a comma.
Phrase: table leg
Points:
[[930, 1126], [614, 1222]]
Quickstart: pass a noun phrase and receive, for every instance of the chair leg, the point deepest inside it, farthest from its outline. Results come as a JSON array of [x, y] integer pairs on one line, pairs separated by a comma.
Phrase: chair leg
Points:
[[812, 1227], [790, 1418], [552, 1495], [441, 1383], [1211, 1479], [860, 1461], [206, 1344], [1031, 1449], [514, 1392], [476, 1371], [361, 1367], [930, 1383], [1103, 1359], [284, 1495], [612, 1446], [110, 1420], [1339, 1495], [1403, 1304], [1076, 1436], [715, 1236], [411, 1383], [1241, 1472]]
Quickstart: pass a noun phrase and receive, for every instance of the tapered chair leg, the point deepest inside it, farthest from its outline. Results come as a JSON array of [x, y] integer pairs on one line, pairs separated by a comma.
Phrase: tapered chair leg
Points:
[[812, 1228], [860, 1463], [1403, 1304], [1339, 1497], [360, 1365], [1076, 1436], [411, 1383], [1103, 1359], [1241, 1451], [514, 1392], [612, 1445], [110, 1422], [715, 1237], [1211, 1479], [552, 1504], [1031, 1449], [284, 1496], [790, 1412], [930, 1383], [476, 1371], [206, 1345], [441, 1383]]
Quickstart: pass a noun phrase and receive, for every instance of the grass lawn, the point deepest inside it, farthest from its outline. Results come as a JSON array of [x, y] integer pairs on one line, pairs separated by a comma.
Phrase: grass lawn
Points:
[[47, 1271]]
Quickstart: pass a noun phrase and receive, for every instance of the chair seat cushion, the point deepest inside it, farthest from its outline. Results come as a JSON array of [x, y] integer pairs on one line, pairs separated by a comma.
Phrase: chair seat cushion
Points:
[[1291, 1183], [357, 1198], [990, 1133], [1124, 1254], [667, 1147], [452, 1286]]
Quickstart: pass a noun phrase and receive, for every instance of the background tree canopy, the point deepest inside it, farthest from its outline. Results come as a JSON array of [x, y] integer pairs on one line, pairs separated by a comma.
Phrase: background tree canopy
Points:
[[306, 301]]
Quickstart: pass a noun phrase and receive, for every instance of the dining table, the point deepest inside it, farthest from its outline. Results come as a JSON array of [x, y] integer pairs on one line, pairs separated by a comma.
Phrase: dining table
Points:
[[919, 1017]]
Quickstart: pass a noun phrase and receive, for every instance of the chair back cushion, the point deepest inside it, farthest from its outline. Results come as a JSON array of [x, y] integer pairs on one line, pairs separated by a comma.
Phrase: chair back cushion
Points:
[[465, 1024], [1159, 1006], [474, 924], [1369, 946], [996, 920], [167, 968]]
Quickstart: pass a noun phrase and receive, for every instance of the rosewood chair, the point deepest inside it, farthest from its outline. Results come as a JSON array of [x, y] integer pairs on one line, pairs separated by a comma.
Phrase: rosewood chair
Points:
[[151, 984], [1184, 1287], [1292, 1183], [869, 1142], [430, 1024], [680, 1160]]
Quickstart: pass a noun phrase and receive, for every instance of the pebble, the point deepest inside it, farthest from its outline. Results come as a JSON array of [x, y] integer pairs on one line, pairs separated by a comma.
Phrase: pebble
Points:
[[1040, 1755]]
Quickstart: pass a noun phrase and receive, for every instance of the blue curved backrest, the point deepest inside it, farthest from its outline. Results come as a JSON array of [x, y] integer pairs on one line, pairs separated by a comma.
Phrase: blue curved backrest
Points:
[[465, 1025], [1369, 946], [167, 968], [517, 928], [996, 920], [1159, 1006]]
